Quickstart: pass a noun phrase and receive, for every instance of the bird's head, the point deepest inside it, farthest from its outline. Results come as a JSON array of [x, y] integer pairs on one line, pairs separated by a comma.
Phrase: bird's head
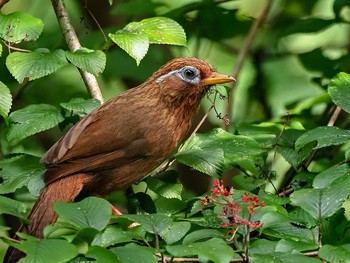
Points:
[[187, 79]]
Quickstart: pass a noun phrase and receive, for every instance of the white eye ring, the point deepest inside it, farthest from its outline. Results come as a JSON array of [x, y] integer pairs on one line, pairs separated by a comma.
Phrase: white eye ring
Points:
[[189, 74]]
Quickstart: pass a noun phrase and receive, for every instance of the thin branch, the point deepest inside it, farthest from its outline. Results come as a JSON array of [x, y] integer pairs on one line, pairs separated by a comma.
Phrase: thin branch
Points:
[[15, 48], [95, 20], [334, 116], [171, 259], [20, 89], [244, 51], [73, 45]]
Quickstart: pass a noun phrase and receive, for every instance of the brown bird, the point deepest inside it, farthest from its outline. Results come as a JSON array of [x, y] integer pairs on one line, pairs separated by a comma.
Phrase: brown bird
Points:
[[127, 137]]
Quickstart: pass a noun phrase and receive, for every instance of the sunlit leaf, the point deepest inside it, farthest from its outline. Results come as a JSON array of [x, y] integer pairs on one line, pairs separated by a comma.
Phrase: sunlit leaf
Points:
[[36, 64], [135, 44], [218, 150], [135, 37], [338, 89], [325, 136], [5, 100], [93, 61], [19, 26]]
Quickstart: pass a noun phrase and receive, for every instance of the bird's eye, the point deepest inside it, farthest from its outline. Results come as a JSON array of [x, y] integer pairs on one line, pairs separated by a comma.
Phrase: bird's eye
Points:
[[189, 74]]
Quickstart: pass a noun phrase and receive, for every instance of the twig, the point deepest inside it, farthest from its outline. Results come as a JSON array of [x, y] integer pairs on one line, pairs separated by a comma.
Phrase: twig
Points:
[[95, 20], [20, 89], [15, 48], [73, 45], [244, 51], [334, 116], [171, 259]]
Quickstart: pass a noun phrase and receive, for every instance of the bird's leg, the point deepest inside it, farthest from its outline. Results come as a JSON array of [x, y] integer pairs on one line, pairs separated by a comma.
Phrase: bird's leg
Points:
[[115, 210]]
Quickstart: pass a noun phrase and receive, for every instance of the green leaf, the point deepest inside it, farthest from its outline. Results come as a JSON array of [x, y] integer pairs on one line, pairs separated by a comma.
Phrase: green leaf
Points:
[[277, 257], [135, 44], [310, 25], [45, 250], [291, 246], [237, 150], [169, 206], [321, 203], [80, 105], [335, 229], [140, 203], [215, 249], [325, 136], [335, 253], [202, 234], [278, 225], [324, 179], [263, 246], [247, 183], [135, 253], [160, 30], [92, 61], [338, 5], [20, 171], [36, 64], [91, 212], [162, 225], [338, 90], [165, 189], [299, 216], [5, 100], [113, 235], [136, 36], [12, 207], [206, 160], [286, 147], [20, 26], [175, 232], [101, 255], [33, 119]]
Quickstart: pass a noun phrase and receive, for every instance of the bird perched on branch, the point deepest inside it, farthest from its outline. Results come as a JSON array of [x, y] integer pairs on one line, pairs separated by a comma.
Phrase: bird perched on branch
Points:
[[127, 137]]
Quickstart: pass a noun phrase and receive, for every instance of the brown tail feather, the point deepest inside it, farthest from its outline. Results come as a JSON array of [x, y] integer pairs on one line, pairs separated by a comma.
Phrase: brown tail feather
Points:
[[42, 214]]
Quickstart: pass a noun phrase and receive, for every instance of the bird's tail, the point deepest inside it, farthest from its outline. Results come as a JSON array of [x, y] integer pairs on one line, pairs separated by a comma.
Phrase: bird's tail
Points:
[[42, 214]]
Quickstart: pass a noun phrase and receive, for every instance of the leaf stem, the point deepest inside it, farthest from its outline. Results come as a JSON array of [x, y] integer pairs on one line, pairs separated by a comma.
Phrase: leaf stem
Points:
[[73, 45]]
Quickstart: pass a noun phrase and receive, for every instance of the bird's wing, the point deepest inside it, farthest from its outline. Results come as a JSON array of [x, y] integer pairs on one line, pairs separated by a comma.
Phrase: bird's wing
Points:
[[101, 131], [104, 161], [102, 139]]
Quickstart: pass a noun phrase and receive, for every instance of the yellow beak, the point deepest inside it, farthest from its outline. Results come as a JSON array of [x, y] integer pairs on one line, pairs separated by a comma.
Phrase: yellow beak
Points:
[[217, 78]]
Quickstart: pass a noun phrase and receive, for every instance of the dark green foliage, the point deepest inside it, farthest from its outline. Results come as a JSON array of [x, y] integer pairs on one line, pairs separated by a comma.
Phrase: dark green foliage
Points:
[[285, 152]]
